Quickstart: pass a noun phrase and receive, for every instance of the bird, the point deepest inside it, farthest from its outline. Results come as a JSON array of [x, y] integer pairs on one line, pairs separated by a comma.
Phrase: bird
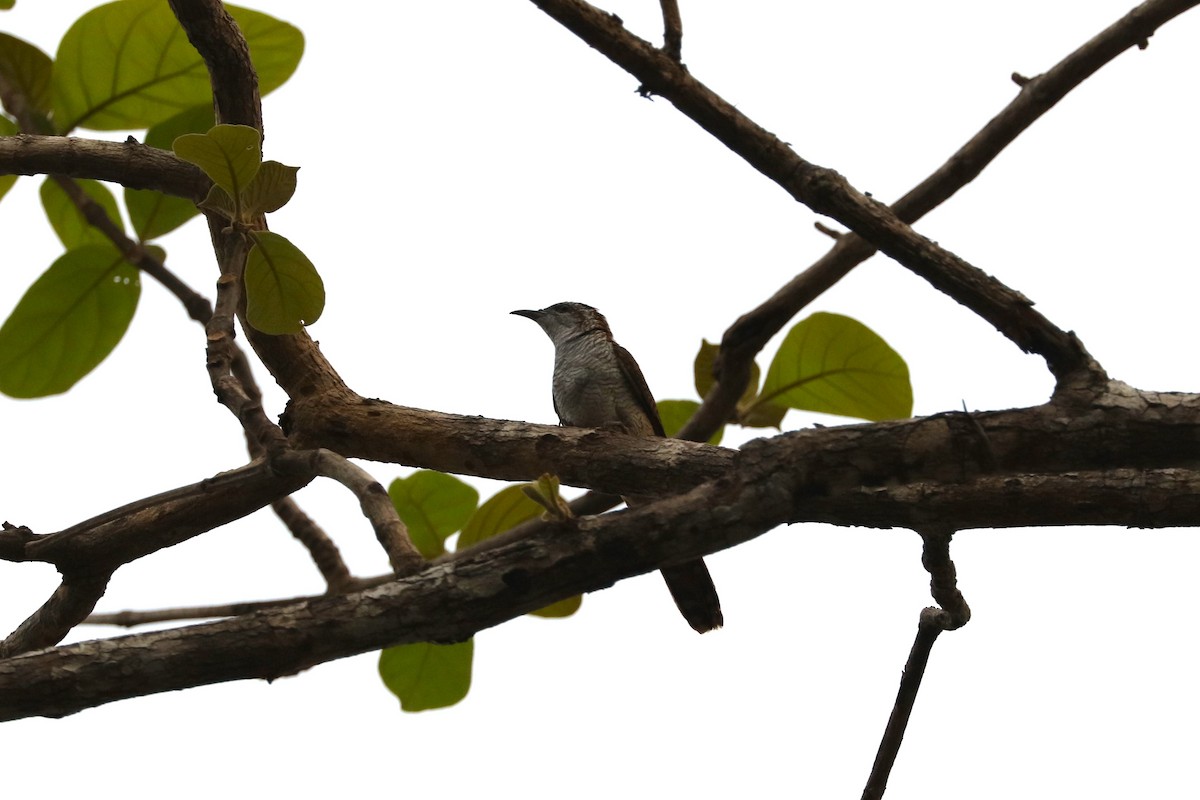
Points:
[[597, 384]]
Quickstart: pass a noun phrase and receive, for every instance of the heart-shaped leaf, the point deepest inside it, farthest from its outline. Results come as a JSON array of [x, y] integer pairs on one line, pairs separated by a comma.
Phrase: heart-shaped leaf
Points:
[[271, 188], [229, 154], [68, 321], [432, 505], [426, 676], [283, 290], [836, 365], [128, 65]]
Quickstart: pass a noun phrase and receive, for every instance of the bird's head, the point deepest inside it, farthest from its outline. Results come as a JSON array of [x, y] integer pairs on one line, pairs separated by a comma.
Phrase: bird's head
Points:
[[564, 321]]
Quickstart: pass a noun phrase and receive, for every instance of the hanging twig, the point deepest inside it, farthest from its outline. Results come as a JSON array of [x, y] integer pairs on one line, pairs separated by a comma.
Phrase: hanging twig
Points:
[[953, 614]]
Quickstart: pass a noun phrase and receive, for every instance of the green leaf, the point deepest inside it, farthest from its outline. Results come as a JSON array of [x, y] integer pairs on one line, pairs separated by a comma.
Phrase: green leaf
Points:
[[271, 188], [506, 509], [674, 413], [7, 128], [128, 65], [433, 505], [155, 214], [563, 608], [69, 320], [229, 154], [702, 366], [27, 70], [837, 365], [218, 201], [762, 415], [283, 290], [426, 676], [68, 221], [5, 5], [545, 492]]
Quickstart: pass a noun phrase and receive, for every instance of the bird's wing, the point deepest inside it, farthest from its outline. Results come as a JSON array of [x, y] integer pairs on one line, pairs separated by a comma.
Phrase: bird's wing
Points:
[[641, 392]]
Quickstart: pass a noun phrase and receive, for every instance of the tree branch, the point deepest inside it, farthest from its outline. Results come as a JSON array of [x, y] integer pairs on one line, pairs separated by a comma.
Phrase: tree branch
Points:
[[373, 499], [220, 43], [750, 333], [70, 603], [672, 29], [825, 191], [125, 163], [103, 543], [787, 479]]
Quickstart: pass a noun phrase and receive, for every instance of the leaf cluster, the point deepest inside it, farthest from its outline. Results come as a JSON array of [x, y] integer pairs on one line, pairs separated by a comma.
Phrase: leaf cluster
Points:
[[827, 363], [128, 66], [436, 506]]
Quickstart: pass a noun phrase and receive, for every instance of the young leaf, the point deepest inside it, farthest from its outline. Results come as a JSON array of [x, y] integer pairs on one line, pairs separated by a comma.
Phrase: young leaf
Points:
[[506, 509], [218, 201], [283, 290], [426, 676], [69, 320], [433, 505], [837, 365], [155, 214], [271, 188], [545, 492], [229, 154], [66, 219], [128, 65], [27, 70], [674, 413]]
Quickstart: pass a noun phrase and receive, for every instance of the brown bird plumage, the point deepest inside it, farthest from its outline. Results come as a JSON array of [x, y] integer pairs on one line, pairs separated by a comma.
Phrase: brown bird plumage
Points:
[[597, 384]]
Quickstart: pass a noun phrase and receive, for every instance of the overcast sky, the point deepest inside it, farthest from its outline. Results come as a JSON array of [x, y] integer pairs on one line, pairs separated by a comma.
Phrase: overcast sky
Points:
[[461, 160]]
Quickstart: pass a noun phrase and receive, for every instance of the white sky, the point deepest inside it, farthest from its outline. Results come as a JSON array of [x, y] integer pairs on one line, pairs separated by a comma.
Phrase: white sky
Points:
[[460, 160]]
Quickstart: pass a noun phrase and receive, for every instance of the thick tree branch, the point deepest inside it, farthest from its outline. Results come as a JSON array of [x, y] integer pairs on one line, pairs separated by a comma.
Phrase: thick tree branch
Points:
[[126, 163], [103, 543], [70, 603], [220, 43], [1040, 439], [772, 482]]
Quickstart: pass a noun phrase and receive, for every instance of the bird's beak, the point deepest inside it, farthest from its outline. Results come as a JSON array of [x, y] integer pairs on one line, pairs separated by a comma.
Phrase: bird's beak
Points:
[[533, 315]]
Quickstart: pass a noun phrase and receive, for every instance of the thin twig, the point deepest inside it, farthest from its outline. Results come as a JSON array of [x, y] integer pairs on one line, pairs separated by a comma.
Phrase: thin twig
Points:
[[672, 29], [372, 498], [953, 614], [130, 619], [197, 305], [914, 670]]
